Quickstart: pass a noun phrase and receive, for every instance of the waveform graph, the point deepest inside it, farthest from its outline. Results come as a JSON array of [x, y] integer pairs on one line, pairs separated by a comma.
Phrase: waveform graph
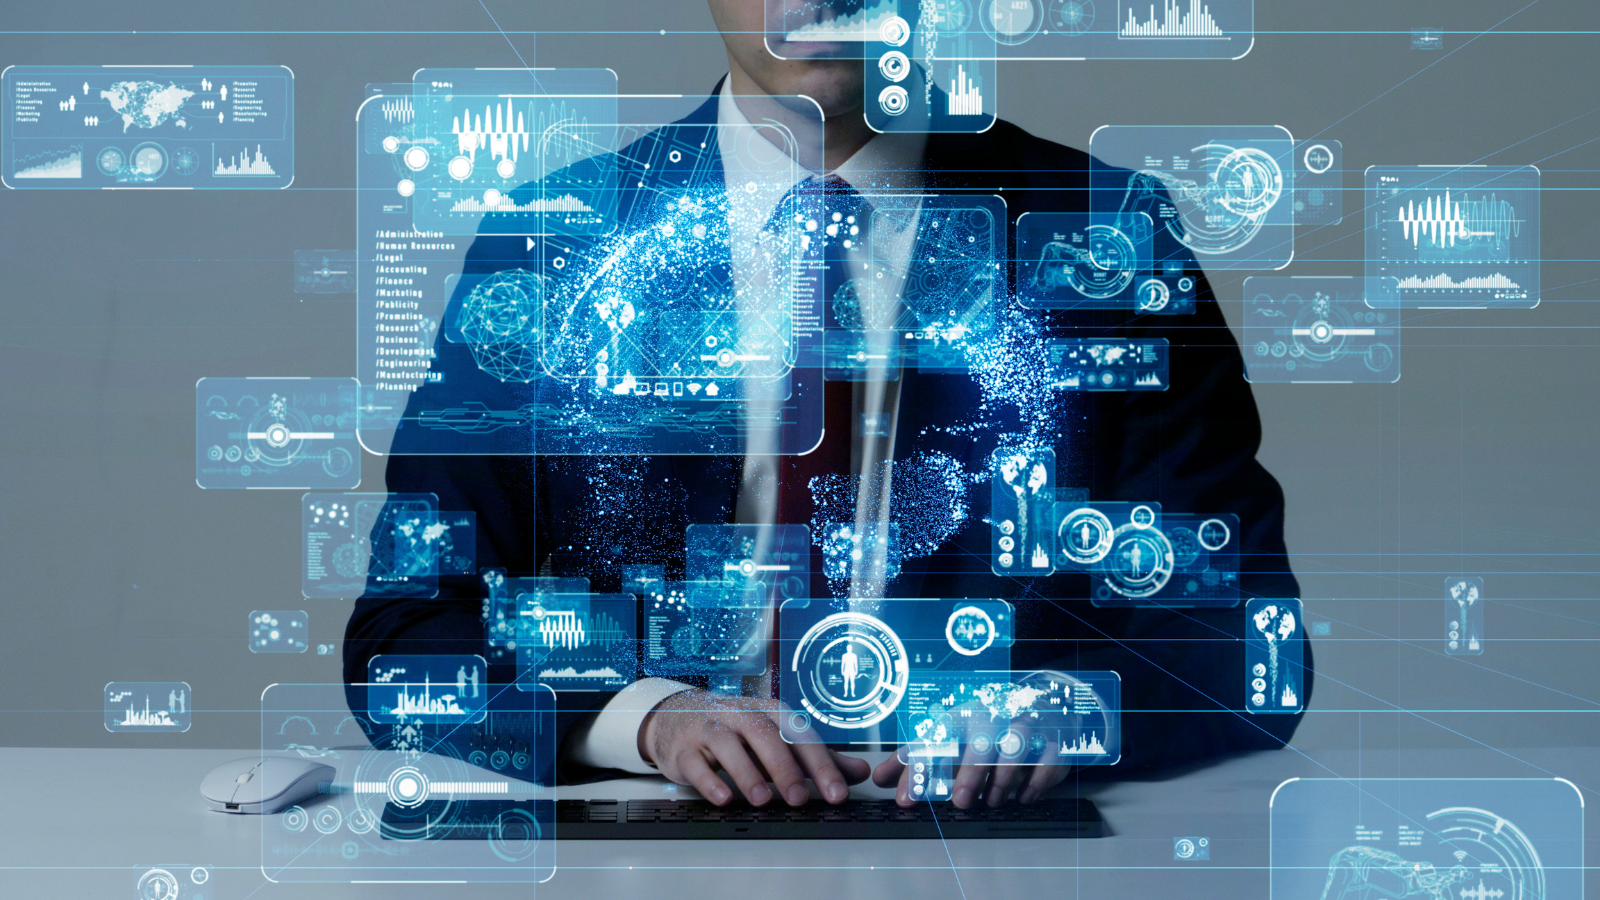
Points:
[[594, 651], [1453, 236], [398, 110], [56, 163]]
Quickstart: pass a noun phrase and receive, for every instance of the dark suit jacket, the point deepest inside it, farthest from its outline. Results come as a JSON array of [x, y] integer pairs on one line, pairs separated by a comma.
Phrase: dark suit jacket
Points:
[[1191, 447]]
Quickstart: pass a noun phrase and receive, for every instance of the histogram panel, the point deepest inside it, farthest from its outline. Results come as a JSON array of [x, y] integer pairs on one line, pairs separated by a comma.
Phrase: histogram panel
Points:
[[147, 706], [1453, 236], [427, 689], [172, 127], [1101, 29]]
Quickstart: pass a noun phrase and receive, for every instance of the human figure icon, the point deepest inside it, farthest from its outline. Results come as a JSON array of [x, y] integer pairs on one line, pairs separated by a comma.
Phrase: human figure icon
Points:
[[1136, 557], [849, 668]]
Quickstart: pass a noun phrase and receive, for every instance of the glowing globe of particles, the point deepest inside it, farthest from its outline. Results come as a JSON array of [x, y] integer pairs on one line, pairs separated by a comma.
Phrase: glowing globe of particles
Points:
[[501, 320]]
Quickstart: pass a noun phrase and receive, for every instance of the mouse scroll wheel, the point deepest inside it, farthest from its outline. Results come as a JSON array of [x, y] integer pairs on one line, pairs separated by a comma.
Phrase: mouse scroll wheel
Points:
[[243, 777]]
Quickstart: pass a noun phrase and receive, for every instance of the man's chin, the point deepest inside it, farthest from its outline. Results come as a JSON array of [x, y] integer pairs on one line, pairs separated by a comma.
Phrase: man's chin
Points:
[[835, 84]]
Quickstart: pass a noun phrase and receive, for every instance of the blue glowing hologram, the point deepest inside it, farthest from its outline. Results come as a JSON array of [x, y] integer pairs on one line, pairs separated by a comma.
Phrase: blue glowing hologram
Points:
[[1317, 329], [763, 564], [1463, 610], [1224, 193], [1086, 531], [827, 29], [481, 137], [436, 689], [863, 355], [1108, 365], [673, 646], [1427, 38], [458, 546], [505, 596], [1022, 492], [1318, 183], [279, 631], [1274, 656], [923, 74], [324, 271], [849, 549], [160, 127], [1191, 849], [1079, 261], [381, 545], [578, 642], [730, 628], [501, 320], [1453, 237], [1427, 838], [1183, 560], [284, 433], [846, 665], [936, 261], [1036, 718], [428, 800], [186, 880], [641, 580], [1114, 29], [148, 706], [626, 373]]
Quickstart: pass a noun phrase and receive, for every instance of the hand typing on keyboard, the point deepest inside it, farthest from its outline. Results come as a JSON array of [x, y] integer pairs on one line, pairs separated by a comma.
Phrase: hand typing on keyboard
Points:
[[982, 745], [691, 734]]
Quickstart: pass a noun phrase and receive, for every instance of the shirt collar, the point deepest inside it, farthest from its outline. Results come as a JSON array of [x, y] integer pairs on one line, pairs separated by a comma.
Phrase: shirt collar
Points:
[[888, 163]]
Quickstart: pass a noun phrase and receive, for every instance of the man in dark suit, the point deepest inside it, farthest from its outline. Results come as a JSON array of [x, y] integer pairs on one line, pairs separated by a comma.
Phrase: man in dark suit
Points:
[[1191, 448]]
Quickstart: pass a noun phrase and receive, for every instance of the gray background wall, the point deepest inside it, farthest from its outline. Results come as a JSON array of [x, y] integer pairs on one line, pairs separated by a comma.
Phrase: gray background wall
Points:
[[1480, 461]]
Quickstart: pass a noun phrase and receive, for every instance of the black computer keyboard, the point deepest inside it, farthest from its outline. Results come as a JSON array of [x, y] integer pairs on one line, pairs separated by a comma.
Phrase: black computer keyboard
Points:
[[656, 820]]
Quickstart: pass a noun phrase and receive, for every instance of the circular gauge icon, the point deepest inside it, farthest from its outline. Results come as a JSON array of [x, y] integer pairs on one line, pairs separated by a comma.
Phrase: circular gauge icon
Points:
[[295, 819], [894, 100], [1140, 561], [407, 787], [110, 161], [459, 168], [894, 31], [1185, 547], [1154, 295], [185, 161], [1318, 159], [362, 820], [148, 162], [1084, 536], [1071, 16], [1379, 357], [1109, 268], [1013, 22], [851, 669], [969, 630], [158, 884], [894, 66], [415, 158], [1011, 743], [1214, 534], [1251, 182], [327, 819], [1142, 516]]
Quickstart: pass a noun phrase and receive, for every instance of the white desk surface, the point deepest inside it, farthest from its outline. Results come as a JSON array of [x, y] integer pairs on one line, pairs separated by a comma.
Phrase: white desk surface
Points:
[[85, 823]]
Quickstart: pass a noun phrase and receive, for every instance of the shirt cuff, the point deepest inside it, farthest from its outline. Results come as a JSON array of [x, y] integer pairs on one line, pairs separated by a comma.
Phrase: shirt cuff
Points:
[[611, 738]]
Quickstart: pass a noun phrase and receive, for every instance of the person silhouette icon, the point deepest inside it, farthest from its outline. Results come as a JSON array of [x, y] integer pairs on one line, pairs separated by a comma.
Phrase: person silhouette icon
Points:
[[850, 668]]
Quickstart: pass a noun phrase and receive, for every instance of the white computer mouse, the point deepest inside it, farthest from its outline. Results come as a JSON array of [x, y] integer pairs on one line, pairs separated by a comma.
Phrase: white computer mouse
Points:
[[259, 785]]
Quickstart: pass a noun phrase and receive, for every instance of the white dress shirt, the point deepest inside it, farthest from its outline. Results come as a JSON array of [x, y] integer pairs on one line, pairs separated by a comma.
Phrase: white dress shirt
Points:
[[888, 163]]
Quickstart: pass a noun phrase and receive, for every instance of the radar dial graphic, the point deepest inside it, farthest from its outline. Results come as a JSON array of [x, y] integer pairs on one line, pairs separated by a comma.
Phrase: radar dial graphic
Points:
[[851, 669], [1110, 267], [1071, 16], [1140, 561]]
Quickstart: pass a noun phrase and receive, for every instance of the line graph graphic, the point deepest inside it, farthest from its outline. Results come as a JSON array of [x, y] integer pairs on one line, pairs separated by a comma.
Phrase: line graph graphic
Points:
[[857, 26], [67, 163], [1176, 22]]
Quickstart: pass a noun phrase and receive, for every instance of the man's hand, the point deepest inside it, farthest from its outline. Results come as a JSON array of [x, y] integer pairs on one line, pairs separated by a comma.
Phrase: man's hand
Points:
[[977, 776], [690, 734]]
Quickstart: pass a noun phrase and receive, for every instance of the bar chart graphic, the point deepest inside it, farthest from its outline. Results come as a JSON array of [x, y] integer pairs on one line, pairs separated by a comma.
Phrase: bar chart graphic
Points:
[[1175, 22]]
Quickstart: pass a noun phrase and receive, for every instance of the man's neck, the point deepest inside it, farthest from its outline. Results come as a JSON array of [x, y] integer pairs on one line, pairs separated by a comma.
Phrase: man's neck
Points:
[[842, 136]]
